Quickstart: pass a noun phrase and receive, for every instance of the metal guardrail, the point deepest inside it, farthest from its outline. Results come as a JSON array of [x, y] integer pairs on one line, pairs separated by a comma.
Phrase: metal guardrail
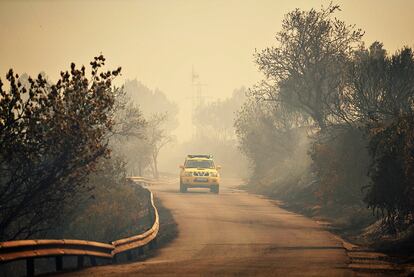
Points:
[[23, 249], [30, 249], [150, 181], [137, 241]]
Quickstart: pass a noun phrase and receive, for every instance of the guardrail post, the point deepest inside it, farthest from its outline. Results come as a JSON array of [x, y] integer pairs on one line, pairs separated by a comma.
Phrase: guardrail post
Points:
[[30, 269], [129, 255], [59, 263], [152, 214], [93, 261], [150, 209], [80, 261], [153, 243], [28, 250]]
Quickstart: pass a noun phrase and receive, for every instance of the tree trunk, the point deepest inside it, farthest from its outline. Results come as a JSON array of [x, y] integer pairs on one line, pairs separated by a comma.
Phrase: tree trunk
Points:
[[156, 175]]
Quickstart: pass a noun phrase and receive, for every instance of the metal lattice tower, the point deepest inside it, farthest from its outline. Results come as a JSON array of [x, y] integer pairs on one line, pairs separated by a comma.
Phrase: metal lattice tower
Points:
[[198, 98]]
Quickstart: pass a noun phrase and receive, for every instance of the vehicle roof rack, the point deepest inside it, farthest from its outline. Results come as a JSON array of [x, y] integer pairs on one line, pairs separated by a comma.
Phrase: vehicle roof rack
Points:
[[200, 156]]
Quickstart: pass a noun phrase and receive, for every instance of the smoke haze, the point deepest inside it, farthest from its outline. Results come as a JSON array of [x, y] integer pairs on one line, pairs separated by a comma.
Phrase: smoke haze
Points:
[[159, 42]]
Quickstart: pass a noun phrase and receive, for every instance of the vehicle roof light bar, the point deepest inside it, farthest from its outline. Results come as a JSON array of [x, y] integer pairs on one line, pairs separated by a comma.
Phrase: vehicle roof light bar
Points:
[[200, 156]]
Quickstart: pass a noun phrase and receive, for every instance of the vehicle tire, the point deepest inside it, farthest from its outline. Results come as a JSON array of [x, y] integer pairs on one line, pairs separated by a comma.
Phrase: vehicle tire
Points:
[[214, 189], [183, 188]]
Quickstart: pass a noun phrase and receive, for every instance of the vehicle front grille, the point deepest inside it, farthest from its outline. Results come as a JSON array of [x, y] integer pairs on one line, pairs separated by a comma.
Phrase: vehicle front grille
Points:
[[200, 173]]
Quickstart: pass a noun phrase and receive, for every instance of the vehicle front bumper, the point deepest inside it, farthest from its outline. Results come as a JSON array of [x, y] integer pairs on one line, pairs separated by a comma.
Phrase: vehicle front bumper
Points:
[[195, 183]]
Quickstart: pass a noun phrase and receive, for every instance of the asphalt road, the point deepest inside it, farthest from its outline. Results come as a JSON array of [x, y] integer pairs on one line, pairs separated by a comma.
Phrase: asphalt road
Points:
[[236, 233]]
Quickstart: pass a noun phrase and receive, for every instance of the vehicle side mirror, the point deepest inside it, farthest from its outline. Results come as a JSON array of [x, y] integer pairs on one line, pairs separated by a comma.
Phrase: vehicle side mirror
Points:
[[218, 167], [181, 166]]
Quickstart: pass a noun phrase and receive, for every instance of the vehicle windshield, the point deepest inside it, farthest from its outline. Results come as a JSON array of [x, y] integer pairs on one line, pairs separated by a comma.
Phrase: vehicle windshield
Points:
[[199, 164]]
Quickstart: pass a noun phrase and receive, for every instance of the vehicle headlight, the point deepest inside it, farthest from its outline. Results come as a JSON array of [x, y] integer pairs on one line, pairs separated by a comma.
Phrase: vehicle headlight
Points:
[[213, 174], [188, 174]]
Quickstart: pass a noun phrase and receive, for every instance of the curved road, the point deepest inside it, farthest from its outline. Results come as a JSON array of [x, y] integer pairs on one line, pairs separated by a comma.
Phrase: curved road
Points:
[[236, 233]]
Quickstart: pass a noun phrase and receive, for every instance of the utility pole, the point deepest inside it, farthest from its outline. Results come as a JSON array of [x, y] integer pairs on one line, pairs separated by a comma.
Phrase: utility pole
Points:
[[198, 99]]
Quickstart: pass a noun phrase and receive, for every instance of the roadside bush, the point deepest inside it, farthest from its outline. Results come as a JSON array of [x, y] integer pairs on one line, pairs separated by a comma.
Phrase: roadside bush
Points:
[[340, 161], [114, 208], [51, 137], [356, 105], [391, 190]]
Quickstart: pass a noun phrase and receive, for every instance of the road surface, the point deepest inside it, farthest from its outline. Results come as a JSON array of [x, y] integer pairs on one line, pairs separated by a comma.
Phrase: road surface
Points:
[[236, 233]]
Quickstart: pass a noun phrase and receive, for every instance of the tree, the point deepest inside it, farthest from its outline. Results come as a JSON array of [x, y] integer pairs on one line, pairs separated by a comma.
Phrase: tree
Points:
[[139, 150], [306, 70], [383, 97], [381, 87], [269, 136], [129, 120], [216, 119], [157, 137], [215, 132], [390, 192], [51, 137], [129, 134], [152, 101]]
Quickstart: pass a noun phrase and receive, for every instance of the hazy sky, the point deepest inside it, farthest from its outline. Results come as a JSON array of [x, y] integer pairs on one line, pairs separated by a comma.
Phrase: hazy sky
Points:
[[158, 42]]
